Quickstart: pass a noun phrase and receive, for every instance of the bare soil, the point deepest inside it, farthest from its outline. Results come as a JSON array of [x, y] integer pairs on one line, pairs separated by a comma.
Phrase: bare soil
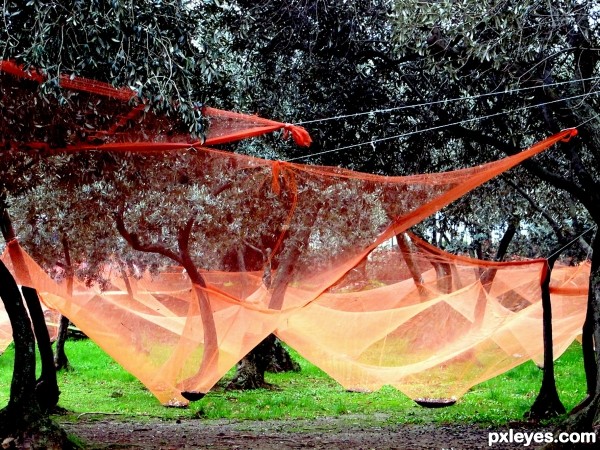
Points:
[[347, 433]]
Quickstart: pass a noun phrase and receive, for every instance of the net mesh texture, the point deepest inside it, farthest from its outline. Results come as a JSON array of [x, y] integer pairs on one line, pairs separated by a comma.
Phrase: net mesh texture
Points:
[[244, 247]]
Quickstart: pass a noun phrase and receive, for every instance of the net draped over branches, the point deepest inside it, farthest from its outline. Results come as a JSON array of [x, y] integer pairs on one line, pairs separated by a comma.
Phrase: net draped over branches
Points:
[[244, 247]]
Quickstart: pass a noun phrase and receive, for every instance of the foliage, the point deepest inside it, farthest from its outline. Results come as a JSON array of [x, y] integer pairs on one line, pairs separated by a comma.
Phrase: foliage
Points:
[[146, 45], [306, 60], [519, 64], [373, 66]]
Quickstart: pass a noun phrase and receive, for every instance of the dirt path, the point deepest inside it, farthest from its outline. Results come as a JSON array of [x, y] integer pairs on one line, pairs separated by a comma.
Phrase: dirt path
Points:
[[340, 433]]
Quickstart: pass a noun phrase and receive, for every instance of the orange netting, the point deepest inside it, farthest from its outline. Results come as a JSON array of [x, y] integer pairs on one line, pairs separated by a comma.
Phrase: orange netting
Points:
[[97, 114], [302, 251], [432, 340], [5, 329]]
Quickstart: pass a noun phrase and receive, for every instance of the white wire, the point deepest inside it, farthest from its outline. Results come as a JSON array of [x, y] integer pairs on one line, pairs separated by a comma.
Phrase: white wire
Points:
[[437, 102], [438, 127], [594, 117]]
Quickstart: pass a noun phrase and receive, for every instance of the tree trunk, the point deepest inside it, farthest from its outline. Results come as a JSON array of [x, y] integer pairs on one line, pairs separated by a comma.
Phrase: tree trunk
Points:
[[281, 360], [411, 264], [46, 390], [589, 354], [590, 414], [22, 423], [587, 415], [210, 355], [22, 403], [487, 276], [269, 355], [250, 371], [61, 361], [547, 404], [14, 250]]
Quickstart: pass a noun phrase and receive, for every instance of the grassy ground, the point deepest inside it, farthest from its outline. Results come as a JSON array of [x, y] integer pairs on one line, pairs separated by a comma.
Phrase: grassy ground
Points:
[[99, 385]]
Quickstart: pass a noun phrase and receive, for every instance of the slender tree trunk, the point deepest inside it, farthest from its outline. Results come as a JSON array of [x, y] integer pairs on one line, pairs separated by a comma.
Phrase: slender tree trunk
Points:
[[14, 250], [547, 404], [586, 417], [589, 356], [402, 239], [61, 361], [46, 390], [590, 414], [210, 354], [487, 276]]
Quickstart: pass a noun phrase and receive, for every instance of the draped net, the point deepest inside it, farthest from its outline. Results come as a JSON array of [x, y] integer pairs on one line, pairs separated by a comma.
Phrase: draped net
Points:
[[213, 251]]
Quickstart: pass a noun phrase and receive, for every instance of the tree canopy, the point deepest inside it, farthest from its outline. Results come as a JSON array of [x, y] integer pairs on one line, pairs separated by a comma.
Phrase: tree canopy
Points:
[[393, 103], [149, 46]]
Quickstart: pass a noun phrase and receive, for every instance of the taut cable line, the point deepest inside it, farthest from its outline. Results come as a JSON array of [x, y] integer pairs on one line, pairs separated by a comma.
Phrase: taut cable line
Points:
[[439, 127], [438, 102]]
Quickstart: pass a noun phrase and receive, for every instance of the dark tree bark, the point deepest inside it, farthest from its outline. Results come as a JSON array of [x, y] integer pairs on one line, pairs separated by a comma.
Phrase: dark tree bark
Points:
[[589, 358], [268, 356], [586, 416], [281, 360], [22, 402], [547, 404], [250, 371], [61, 361], [487, 277], [22, 422], [14, 251], [46, 390]]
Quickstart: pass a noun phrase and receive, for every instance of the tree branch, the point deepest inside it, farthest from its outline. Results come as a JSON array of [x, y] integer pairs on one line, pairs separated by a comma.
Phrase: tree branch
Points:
[[553, 223], [556, 180], [134, 241]]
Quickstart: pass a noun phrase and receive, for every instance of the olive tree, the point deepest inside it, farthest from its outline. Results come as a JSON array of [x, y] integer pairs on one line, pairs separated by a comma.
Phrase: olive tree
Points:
[[524, 69]]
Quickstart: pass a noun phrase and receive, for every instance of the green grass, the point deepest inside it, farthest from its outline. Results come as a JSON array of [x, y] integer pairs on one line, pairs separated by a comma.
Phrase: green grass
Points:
[[99, 385]]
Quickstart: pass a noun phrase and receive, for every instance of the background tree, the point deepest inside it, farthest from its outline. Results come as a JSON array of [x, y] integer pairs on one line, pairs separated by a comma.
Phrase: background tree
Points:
[[306, 60], [338, 69]]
